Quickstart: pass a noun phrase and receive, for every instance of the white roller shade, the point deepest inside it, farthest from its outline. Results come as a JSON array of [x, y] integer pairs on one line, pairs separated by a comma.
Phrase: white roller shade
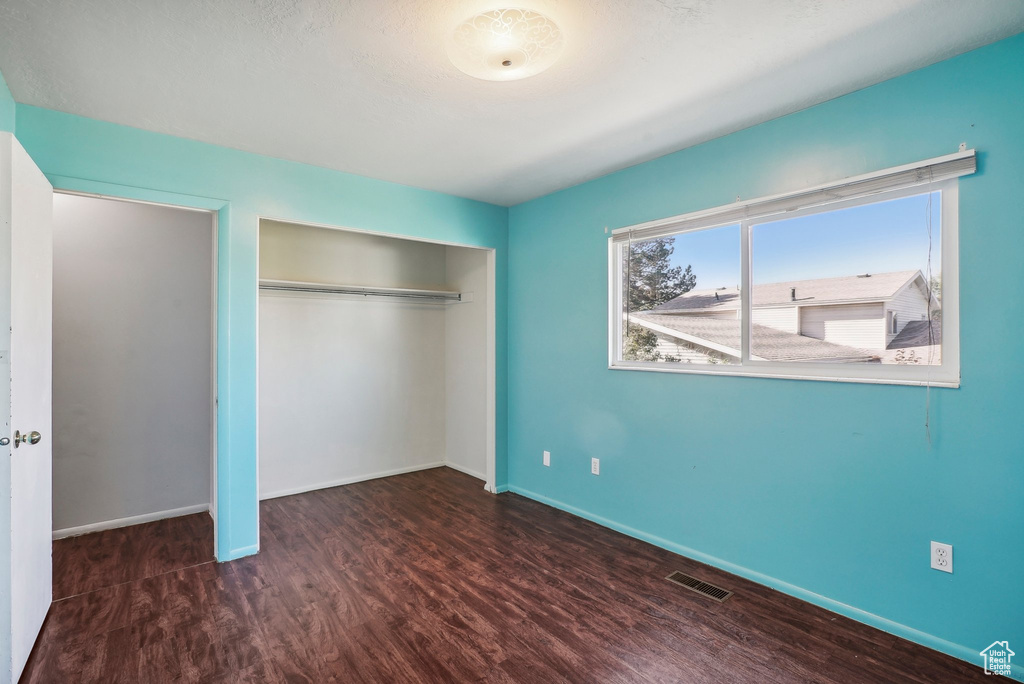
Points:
[[909, 175]]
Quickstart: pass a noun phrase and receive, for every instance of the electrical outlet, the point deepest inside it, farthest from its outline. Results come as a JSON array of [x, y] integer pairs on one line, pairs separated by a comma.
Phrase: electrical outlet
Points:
[[547, 458], [942, 556], [595, 466]]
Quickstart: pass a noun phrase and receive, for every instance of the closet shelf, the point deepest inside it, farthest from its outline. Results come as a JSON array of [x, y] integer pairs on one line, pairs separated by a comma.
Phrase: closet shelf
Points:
[[366, 291]]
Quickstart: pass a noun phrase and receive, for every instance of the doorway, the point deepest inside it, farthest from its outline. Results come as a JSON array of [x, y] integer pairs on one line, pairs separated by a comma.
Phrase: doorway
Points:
[[134, 362]]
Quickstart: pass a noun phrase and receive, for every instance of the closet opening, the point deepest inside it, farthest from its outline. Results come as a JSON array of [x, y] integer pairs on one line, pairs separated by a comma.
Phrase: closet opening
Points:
[[134, 374], [376, 357]]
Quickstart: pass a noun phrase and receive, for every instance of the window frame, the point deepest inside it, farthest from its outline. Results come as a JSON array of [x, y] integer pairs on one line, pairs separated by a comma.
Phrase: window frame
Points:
[[946, 374]]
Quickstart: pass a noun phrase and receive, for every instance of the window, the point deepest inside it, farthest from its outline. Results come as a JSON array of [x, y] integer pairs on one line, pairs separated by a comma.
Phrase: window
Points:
[[658, 273], [854, 282], [835, 279]]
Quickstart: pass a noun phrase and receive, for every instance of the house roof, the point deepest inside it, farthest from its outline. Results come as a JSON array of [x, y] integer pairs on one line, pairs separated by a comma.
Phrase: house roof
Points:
[[768, 343], [918, 334], [856, 288]]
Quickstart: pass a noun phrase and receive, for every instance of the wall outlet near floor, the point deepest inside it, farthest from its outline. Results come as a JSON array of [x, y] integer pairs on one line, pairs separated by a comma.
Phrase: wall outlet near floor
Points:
[[547, 458], [942, 556], [595, 466]]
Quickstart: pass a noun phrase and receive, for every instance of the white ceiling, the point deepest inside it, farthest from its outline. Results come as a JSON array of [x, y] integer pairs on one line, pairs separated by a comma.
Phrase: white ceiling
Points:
[[366, 87]]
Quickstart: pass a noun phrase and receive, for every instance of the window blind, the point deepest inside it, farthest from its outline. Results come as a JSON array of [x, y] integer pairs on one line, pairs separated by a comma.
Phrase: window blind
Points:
[[909, 175]]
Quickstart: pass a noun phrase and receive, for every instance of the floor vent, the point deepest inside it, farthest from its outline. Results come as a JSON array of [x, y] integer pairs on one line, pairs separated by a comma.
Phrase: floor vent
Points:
[[692, 583]]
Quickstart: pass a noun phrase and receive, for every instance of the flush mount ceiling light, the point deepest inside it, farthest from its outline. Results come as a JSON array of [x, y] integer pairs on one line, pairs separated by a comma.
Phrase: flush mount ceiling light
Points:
[[505, 44]]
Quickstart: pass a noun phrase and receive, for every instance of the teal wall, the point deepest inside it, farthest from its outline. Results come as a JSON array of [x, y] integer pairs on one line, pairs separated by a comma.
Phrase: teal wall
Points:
[[88, 155], [828, 491], [7, 107]]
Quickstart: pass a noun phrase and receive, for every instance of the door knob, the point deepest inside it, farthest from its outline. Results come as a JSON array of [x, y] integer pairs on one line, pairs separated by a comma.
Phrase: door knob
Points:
[[29, 438]]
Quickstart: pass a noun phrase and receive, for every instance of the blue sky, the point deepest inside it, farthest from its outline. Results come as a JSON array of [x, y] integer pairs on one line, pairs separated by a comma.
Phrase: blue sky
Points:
[[874, 238]]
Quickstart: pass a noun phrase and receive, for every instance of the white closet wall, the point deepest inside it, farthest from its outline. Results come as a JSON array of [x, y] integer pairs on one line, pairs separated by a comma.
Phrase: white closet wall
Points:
[[291, 251], [466, 353], [350, 387], [132, 346]]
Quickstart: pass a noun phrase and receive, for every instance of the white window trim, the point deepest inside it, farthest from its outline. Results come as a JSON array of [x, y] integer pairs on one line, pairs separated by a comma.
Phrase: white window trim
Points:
[[945, 375]]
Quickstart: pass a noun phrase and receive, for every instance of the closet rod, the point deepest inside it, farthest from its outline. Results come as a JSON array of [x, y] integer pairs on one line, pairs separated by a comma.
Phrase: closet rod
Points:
[[292, 286]]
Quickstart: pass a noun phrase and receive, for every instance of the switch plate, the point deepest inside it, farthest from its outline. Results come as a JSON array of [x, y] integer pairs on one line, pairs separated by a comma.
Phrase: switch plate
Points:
[[595, 466], [547, 458], [942, 557]]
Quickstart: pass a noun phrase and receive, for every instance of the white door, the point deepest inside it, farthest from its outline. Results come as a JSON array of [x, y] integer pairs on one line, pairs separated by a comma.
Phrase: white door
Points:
[[26, 265]]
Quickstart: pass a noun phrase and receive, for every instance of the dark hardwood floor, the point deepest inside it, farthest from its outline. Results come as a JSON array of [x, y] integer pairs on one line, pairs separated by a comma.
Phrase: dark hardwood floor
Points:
[[426, 578]]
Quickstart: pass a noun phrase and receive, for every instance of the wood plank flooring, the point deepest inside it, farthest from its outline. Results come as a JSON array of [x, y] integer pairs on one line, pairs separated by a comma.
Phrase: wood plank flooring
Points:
[[427, 578]]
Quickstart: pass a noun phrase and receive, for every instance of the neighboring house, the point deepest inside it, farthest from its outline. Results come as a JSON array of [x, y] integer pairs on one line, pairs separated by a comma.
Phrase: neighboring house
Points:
[[847, 319]]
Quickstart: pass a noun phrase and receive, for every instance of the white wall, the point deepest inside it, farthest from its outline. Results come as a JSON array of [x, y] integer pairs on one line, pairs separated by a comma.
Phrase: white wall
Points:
[[466, 342], [132, 302], [350, 387]]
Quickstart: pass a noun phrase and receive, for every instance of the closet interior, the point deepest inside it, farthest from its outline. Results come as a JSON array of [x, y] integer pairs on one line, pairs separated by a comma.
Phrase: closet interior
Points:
[[376, 357], [133, 363]]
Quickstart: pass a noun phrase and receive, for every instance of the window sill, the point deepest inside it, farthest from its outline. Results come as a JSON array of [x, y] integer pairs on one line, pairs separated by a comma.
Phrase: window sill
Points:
[[820, 375]]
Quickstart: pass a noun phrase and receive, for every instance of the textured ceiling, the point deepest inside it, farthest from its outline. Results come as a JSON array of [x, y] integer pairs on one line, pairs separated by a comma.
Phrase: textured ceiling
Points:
[[366, 87]]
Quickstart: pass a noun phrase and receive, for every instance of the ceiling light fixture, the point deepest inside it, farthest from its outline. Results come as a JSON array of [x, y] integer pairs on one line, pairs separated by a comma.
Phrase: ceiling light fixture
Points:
[[505, 44]]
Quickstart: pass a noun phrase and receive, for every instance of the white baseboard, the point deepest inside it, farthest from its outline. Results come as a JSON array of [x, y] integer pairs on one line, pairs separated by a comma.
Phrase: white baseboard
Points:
[[131, 520], [348, 480], [467, 471]]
